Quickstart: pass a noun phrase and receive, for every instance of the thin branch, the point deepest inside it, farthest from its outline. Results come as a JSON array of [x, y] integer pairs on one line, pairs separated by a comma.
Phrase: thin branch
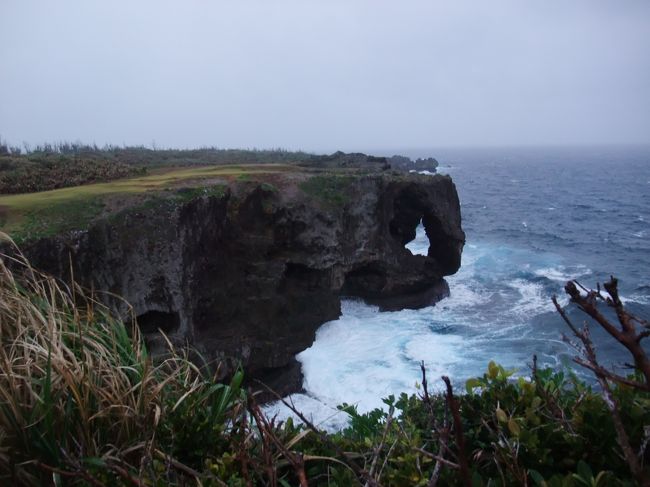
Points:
[[380, 447], [438, 458], [458, 430], [599, 369], [295, 458], [628, 337], [361, 473], [426, 397]]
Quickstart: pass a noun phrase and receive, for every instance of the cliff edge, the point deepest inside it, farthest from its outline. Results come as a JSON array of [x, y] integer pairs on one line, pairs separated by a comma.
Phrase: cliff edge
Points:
[[247, 269]]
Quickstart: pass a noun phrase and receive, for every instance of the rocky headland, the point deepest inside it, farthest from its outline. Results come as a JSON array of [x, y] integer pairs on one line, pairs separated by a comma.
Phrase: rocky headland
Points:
[[403, 163], [245, 269]]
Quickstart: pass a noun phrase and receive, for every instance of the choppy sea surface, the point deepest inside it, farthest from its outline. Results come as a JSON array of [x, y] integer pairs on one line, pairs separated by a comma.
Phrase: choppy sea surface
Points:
[[534, 218]]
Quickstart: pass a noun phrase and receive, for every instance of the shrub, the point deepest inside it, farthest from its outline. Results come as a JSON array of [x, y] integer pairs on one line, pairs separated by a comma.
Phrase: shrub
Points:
[[53, 166], [332, 189], [82, 403]]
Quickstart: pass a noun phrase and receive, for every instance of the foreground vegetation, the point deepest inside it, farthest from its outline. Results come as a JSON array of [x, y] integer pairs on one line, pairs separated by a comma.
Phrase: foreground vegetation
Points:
[[82, 403]]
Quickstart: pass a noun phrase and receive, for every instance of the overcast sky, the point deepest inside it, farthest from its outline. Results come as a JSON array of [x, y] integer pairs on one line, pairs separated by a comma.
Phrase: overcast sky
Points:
[[325, 75]]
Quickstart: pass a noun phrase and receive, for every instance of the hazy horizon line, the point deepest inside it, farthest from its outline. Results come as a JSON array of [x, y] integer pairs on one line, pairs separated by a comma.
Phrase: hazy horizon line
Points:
[[155, 146]]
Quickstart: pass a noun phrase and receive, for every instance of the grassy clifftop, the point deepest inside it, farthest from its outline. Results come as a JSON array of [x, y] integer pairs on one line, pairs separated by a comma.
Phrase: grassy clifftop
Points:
[[64, 165], [54, 189], [33, 215]]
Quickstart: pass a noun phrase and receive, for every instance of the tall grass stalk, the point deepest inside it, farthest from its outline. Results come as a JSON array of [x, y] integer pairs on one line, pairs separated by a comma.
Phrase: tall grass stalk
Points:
[[78, 392]]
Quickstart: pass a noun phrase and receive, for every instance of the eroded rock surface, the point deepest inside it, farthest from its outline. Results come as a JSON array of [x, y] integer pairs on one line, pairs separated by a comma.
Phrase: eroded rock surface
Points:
[[250, 274]]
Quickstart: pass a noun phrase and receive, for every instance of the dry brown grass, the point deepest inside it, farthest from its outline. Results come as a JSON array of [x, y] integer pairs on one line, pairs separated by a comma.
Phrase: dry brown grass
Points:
[[78, 392]]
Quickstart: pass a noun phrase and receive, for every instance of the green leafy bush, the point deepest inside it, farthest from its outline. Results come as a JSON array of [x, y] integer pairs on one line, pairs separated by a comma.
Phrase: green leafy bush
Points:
[[332, 189], [82, 403]]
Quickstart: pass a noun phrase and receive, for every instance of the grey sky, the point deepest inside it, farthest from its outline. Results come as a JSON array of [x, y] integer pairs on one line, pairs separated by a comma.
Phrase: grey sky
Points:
[[324, 75]]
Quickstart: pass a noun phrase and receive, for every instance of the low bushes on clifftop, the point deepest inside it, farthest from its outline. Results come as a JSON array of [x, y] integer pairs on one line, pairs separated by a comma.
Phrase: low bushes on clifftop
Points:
[[82, 403], [52, 166]]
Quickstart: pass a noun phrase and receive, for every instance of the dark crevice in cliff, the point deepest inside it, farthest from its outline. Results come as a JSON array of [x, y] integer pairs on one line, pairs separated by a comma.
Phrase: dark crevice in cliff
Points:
[[152, 321], [367, 281], [282, 380], [300, 276]]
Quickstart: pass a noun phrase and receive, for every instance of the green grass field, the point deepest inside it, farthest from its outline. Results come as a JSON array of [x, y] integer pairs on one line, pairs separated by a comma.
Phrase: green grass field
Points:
[[31, 215]]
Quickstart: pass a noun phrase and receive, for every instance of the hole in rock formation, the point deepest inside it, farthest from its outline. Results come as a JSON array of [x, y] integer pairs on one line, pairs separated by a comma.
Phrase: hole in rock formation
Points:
[[152, 321], [409, 210], [410, 207], [417, 246], [441, 247]]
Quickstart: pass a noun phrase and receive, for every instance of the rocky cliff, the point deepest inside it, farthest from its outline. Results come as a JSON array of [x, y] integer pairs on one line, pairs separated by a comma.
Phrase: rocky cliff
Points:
[[402, 163], [248, 271]]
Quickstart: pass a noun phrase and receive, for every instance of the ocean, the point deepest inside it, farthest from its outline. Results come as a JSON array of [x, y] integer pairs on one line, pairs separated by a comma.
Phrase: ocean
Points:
[[534, 218]]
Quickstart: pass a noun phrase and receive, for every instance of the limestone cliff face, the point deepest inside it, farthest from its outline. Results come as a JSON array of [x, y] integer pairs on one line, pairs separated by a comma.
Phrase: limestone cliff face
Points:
[[248, 275]]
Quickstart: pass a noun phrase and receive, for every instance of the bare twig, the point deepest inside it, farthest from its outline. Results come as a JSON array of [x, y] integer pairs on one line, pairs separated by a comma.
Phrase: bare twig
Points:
[[295, 458], [442, 432], [359, 472], [178, 465], [388, 454], [627, 335], [425, 398], [380, 447], [458, 431], [629, 338], [438, 458], [443, 446]]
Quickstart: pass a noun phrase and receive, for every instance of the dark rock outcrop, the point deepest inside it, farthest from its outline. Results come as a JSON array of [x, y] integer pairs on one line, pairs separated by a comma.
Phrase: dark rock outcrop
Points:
[[402, 163], [342, 160], [248, 276]]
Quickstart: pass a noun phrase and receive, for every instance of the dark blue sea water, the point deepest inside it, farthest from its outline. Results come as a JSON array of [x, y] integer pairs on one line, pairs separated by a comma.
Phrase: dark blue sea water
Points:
[[534, 218]]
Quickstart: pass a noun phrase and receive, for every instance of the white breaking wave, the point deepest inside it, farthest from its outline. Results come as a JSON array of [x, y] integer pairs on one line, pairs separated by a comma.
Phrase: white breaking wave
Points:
[[635, 298], [317, 412], [562, 274], [532, 299], [462, 296], [367, 355], [371, 354]]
